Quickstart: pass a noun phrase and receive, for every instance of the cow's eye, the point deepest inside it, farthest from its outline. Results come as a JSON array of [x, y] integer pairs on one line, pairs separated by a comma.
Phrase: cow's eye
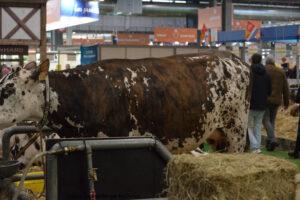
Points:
[[10, 85]]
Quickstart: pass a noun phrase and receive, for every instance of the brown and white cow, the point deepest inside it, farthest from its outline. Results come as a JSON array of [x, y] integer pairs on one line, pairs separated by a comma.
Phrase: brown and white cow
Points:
[[179, 99]]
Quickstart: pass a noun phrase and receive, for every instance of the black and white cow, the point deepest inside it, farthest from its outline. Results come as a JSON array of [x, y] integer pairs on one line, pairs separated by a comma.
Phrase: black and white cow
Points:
[[180, 99]]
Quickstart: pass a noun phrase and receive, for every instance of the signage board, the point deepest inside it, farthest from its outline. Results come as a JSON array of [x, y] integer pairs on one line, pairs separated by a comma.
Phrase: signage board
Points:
[[81, 41], [181, 35], [13, 50], [133, 39], [66, 13], [89, 54]]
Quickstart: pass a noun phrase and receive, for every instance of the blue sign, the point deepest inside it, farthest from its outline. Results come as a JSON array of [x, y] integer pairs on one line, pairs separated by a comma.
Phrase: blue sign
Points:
[[89, 54], [79, 8]]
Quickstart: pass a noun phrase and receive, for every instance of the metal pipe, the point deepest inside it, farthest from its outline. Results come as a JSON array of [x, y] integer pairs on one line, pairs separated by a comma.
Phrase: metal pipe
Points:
[[18, 177], [162, 151], [15, 130], [241, 11], [124, 143], [26, 170], [92, 176]]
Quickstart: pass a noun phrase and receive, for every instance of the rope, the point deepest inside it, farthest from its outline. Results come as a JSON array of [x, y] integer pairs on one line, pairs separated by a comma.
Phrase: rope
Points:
[[23, 149], [44, 120]]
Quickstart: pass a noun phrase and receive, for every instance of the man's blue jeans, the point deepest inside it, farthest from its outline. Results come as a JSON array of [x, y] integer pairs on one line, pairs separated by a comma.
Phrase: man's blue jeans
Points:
[[254, 128], [269, 122]]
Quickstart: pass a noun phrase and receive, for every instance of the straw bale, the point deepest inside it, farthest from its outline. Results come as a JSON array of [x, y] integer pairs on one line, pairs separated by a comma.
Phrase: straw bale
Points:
[[230, 177]]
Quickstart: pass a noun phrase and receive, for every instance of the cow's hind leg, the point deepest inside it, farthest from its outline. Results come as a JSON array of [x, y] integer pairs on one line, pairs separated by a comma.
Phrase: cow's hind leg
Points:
[[236, 137]]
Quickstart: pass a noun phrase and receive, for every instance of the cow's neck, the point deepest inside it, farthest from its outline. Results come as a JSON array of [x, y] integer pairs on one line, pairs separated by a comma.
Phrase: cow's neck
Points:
[[38, 112]]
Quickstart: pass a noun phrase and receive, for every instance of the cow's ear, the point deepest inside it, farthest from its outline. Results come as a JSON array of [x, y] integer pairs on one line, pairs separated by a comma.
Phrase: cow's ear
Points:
[[30, 66], [42, 71]]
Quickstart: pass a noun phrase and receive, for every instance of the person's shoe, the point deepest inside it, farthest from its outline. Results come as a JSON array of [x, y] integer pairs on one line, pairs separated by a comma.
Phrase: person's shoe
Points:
[[293, 154], [272, 146], [275, 144], [257, 151]]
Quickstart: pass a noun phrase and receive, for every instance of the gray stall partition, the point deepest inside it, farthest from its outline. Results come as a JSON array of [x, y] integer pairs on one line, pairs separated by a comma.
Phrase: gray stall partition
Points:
[[126, 168]]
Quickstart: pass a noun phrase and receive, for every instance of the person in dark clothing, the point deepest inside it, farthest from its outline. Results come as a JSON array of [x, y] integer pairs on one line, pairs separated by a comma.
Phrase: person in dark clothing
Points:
[[280, 91], [285, 66], [261, 90], [295, 152], [293, 72]]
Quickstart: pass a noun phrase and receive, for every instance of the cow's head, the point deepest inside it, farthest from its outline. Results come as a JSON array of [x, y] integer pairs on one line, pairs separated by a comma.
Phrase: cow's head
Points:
[[21, 94]]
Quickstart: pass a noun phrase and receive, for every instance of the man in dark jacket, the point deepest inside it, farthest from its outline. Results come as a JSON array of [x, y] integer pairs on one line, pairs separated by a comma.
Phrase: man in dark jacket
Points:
[[280, 90], [295, 153], [261, 89]]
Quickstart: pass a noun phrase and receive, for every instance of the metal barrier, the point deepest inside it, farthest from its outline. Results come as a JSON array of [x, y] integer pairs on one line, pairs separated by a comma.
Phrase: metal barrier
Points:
[[15, 130], [114, 176]]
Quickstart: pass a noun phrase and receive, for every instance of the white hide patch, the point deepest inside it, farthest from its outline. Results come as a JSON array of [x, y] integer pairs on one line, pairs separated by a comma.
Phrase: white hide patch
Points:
[[134, 132], [129, 83], [126, 83], [100, 69], [134, 119], [66, 74], [74, 124], [53, 101], [133, 76], [144, 69], [101, 135], [88, 72], [145, 80], [57, 126], [194, 58]]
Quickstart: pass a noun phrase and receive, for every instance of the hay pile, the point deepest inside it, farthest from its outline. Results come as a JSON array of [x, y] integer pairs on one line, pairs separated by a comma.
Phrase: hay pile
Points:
[[230, 177], [286, 125]]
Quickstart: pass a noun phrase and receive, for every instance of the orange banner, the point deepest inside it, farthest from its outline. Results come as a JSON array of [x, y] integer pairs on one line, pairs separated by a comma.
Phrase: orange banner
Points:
[[87, 41], [181, 35], [211, 17], [53, 11], [133, 39]]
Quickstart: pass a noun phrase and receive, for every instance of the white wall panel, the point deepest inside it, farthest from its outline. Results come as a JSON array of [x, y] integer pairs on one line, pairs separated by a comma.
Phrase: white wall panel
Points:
[[112, 52], [186, 50], [161, 52], [138, 52]]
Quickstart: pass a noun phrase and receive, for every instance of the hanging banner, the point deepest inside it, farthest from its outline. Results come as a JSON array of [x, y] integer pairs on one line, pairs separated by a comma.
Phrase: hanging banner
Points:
[[171, 35], [66, 13], [210, 17], [81, 41], [133, 39], [89, 54], [242, 24]]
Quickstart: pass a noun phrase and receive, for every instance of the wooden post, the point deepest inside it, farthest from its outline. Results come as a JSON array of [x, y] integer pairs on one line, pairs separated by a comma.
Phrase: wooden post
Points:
[[43, 42]]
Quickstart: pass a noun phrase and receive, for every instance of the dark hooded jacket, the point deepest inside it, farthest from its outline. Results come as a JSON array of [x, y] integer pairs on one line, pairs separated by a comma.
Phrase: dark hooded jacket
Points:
[[261, 88]]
